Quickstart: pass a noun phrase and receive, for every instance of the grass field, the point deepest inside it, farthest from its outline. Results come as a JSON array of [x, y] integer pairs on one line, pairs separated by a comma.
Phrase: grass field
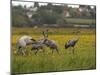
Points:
[[81, 21], [83, 59]]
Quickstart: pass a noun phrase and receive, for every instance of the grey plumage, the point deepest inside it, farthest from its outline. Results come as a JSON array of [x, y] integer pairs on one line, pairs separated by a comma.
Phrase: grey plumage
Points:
[[37, 45], [51, 44], [71, 43]]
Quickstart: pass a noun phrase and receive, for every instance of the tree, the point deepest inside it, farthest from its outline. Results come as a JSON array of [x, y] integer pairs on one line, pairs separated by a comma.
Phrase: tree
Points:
[[36, 4], [49, 5], [19, 17], [73, 12], [93, 12], [82, 6]]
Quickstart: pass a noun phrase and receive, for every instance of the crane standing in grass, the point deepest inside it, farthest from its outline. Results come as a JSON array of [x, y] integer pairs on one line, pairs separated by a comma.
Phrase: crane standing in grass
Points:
[[22, 43], [71, 43], [50, 43], [37, 45]]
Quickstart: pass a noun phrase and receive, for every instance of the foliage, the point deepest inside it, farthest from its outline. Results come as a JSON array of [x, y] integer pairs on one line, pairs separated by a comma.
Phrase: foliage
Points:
[[19, 18], [36, 4], [49, 14]]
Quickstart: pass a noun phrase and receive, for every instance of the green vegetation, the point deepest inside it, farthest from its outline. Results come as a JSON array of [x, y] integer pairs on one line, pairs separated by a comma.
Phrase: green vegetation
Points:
[[81, 21], [83, 59], [62, 17], [52, 14]]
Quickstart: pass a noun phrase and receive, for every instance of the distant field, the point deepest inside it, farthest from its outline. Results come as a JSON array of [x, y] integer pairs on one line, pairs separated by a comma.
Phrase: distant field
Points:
[[52, 31], [83, 59], [81, 21]]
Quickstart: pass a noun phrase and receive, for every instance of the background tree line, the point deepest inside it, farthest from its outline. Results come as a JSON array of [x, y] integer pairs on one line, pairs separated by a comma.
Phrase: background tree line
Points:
[[49, 14]]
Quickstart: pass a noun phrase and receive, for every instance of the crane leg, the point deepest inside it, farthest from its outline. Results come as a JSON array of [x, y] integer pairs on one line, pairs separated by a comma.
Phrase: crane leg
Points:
[[52, 51], [57, 51], [43, 50], [73, 50], [18, 50], [23, 52], [36, 51]]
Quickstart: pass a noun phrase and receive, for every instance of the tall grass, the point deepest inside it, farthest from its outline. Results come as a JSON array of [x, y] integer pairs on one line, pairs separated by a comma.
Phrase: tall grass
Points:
[[83, 59]]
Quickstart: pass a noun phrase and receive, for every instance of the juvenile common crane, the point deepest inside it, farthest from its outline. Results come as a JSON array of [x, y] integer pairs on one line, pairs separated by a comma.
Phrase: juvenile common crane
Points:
[[71, 43], [39, 44], [22, 42], [50, 43]]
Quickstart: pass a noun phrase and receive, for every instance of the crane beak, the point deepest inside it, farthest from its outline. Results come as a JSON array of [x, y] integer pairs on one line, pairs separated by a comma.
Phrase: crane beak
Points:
[[66, 46]]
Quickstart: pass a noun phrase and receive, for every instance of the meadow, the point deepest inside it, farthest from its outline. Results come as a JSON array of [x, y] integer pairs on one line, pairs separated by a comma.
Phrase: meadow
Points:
[[81, 21], [83, 59]]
